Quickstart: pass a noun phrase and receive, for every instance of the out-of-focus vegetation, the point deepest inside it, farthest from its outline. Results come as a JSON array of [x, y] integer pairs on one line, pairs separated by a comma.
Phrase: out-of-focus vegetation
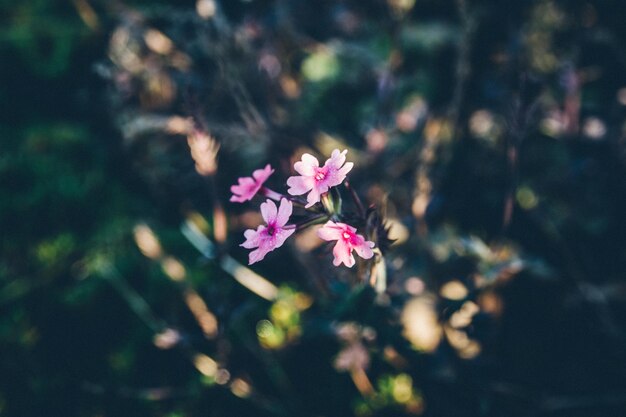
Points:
[[490, 135]]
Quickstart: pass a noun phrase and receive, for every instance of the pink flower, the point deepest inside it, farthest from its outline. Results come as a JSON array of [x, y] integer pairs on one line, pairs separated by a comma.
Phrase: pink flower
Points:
[[267, 238], [248, 187], [347, 240], [318, 179]]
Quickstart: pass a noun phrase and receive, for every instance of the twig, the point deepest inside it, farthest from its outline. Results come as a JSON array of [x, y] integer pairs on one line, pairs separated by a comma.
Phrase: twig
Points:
[[135, 301], [524, 106], [355, 199], [463, 66]]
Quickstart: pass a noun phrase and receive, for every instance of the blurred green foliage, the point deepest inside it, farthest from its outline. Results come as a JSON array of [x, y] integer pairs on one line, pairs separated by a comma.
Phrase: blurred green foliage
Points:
[[43, 33]]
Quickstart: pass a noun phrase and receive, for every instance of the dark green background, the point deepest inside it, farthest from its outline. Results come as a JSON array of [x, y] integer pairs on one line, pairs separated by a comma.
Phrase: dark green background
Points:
[[71, 192]]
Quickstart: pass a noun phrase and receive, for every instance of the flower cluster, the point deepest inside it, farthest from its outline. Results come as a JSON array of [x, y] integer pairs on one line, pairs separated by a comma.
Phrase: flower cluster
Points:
[[316, 181]]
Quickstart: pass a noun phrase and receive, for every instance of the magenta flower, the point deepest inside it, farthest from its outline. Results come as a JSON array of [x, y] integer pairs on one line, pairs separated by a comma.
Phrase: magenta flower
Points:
[[248, 187], [347, 240], [315, 179], [267, 238]]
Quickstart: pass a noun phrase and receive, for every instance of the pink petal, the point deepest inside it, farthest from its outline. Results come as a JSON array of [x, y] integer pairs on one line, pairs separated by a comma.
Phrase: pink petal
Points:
[[347, 228], [268, 211], [246, 182], [299, 185], [252, 237], [343, 254], [241, 186], [257, 255], [341, 174], [244, 190], [269, 243], [313, 197], [284, 212], [364, 250], [281, 235], [261, 175], [336, 159], [247, 187], [337, 173], [329, 231], [307, 165]]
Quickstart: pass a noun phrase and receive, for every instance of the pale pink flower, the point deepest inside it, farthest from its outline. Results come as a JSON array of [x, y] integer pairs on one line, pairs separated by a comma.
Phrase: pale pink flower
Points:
[[347, 241], [273, 235], [248, 187], [315, 179], [353, 357]]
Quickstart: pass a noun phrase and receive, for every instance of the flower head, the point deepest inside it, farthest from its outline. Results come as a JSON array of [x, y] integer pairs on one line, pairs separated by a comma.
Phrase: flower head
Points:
[[248, 187], [315, 179], [273, 235], [347, 241]]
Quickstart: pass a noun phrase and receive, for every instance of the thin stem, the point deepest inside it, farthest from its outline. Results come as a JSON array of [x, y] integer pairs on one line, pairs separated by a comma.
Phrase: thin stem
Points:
[[524, 107], [362, 382], [132, 298], [463, 64], [269, 193], [276, 196], [319, 219], [355, 198]]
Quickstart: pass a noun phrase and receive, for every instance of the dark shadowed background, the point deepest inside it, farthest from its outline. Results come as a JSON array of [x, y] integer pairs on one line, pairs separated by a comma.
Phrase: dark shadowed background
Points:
[[491, 135]]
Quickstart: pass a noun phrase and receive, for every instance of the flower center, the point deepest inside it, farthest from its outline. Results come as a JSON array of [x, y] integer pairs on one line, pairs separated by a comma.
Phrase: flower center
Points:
[[320, 175], [346, 235], [271, 229]]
